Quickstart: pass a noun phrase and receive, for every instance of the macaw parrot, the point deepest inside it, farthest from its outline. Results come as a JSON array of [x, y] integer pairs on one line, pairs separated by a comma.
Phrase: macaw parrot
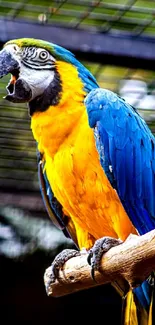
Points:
[[96, 155]]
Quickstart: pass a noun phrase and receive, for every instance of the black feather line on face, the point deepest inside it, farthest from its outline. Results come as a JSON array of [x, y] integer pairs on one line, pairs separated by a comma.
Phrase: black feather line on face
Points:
[[51, 96]]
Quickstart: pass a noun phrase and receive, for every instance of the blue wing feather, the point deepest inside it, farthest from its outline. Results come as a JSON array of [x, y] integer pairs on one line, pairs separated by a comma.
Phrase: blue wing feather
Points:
[[104, 153], [127, 145]]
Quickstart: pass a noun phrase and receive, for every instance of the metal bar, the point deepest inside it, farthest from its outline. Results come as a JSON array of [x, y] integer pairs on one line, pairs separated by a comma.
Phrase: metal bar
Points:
[[119, 16], [140, 29], [119, 49], [87, 13]]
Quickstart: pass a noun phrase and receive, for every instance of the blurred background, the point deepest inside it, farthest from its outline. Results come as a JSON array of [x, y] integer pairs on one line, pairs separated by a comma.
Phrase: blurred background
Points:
[[115, 40]]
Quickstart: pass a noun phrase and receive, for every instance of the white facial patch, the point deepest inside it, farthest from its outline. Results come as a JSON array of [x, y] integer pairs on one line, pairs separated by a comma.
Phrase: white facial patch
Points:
[[38, 80]]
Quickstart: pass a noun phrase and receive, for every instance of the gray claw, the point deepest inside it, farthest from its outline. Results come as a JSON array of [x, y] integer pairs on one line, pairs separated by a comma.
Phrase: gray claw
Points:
[[100, 247], [58, 263]]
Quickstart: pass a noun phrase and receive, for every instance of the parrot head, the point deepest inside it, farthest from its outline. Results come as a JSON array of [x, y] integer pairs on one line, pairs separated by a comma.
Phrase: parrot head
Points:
[[33, 67]]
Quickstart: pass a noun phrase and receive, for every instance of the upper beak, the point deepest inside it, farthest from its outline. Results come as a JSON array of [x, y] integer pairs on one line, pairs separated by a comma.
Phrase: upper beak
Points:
[[7, 63], [18, 89]]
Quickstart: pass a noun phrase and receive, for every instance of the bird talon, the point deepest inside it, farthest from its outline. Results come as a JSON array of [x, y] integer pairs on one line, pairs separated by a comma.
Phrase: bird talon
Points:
[[100, 247], [59, 261], [90, 255], [92, 272]]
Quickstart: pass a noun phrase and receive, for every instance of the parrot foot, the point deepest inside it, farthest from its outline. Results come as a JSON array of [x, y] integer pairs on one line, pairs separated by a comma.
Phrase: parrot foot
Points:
[[100, 247], [58, 263]]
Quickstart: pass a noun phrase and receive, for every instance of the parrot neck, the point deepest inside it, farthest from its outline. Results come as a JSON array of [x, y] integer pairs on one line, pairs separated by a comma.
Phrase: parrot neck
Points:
[[52, 128]]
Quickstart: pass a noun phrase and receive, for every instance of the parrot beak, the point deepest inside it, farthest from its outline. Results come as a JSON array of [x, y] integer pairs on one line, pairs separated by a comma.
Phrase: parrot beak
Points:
[[18, 89], [7, 63]]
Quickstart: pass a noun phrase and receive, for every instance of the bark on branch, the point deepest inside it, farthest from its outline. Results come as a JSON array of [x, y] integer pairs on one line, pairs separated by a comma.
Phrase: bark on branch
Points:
[[130, 262]]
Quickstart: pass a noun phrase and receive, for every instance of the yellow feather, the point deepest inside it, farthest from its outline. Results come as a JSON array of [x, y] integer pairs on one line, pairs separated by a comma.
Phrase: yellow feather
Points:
[[133, 312], [151, 309]]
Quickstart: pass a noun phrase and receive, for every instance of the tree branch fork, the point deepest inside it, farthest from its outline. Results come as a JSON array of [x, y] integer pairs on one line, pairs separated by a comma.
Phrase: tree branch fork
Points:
[[127, 264]]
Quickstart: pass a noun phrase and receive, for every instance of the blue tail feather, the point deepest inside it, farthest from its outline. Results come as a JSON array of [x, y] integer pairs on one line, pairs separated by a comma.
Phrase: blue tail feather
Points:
[[143, 294]]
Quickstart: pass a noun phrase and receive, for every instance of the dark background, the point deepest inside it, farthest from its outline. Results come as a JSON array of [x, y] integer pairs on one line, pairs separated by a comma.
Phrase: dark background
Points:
[[23, 297]]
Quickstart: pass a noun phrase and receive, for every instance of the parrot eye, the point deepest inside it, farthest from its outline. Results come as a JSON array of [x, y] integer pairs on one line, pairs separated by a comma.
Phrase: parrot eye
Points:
[[43, 55], [15, 48]]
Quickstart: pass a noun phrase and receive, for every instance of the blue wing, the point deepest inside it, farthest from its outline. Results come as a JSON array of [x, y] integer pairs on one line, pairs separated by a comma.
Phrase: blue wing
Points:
[[126, 148], [127, 154]]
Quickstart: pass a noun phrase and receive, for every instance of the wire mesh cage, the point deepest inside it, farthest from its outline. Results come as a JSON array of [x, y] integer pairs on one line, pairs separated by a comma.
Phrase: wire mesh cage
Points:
[[131, 16], [127, 20]]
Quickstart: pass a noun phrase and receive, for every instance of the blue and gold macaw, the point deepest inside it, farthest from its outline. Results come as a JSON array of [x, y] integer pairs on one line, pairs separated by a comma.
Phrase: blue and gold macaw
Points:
[[95, 153]]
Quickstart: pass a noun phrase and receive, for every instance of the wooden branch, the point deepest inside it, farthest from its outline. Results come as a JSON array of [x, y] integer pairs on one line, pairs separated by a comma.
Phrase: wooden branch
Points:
[[130, 262]]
